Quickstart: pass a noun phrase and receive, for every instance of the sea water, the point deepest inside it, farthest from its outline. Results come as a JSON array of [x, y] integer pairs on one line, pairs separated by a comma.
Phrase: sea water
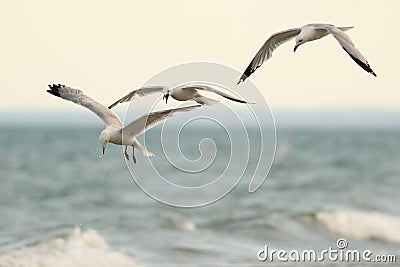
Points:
[[63, 203]]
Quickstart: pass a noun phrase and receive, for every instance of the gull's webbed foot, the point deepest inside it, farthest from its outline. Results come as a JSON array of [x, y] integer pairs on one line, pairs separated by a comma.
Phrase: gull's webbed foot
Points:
[[126, 153], [133, 154]]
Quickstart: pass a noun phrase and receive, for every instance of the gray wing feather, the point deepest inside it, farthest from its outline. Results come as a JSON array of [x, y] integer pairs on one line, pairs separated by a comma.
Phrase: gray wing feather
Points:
[[266, 50], [77, 96], [213, 90], [151, 120], [346, 43], [140, 92]]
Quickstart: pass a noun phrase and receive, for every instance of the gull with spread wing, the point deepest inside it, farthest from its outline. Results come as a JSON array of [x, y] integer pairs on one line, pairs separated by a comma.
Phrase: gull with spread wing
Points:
[[181, 92], [307, 33], [115, 132]]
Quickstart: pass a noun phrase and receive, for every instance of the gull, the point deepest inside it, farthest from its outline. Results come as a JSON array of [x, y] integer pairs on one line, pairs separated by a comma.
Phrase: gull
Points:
[[307, 33], [181, 92], [115, 132]]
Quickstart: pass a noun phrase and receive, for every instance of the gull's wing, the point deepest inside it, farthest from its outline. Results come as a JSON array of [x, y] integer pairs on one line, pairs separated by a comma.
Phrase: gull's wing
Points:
[[151, 120], [266, 50], [140, 92], [213, 90], [77, 96], [348, 46]]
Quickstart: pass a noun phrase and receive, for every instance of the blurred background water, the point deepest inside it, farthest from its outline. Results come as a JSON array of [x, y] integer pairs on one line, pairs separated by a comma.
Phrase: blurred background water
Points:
[[64, 204]]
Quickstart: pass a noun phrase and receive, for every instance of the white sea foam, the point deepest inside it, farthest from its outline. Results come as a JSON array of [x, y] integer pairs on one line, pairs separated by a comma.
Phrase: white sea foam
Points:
[[362, 225], [82, 248], [182, 225]]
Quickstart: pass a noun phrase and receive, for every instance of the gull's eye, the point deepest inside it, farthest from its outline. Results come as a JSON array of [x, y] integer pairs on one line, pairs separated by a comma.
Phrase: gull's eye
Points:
[[300, 40]]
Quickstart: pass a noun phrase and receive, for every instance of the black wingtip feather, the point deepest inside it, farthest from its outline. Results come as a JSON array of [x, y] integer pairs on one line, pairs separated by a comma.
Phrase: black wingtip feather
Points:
[[242, 79], [56, 86], [54, 89], [237, 100], [246, 74], [363, 65], [53, 92]]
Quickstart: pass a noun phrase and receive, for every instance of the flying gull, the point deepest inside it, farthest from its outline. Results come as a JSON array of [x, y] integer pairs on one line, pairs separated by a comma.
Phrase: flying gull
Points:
[[115, 132], [181, 92], [303, 35]]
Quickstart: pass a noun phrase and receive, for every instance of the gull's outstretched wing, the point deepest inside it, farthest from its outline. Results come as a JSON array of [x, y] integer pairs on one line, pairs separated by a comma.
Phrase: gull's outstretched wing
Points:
[[140, 92], [348, 46], [151, 120], [77, 96], [209, 88], [266, 50]]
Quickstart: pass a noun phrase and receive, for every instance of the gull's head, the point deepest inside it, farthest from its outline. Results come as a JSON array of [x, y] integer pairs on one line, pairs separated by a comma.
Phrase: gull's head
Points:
[[299, 41], [307, 34], [104, 138], [166, 95]]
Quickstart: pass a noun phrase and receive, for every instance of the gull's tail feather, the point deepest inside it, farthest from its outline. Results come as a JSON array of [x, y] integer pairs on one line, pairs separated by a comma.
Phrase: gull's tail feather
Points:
[[205, 101], [143, 150], [345, 28], [148, 153]]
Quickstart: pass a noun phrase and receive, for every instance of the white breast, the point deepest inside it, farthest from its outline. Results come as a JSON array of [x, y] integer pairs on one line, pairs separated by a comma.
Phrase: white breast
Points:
[[116, 138], [184, 94]]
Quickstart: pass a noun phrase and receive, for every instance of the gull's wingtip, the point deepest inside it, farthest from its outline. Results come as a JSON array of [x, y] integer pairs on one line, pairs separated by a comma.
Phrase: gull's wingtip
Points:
[[54, 92], [55, 89], [55, 86], [346, 28], [111, 106], [246, 74], [242, 78]]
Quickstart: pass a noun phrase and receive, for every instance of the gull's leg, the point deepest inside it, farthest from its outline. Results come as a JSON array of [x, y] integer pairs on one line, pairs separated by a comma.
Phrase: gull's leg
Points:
[[126, 153], [133, 154]]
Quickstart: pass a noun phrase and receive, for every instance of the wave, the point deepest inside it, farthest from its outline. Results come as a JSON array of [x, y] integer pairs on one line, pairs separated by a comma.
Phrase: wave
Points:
[[181, 225], [362, 225], [82, 248]]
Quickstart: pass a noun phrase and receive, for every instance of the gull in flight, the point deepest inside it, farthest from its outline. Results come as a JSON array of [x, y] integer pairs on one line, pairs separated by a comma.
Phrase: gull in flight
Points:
[[303, 35], [115, 132], [182, 92]]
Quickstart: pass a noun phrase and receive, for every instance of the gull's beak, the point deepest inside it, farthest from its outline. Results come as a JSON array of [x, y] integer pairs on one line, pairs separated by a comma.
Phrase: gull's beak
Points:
[[166, 98], [104, 148], [295, 47]]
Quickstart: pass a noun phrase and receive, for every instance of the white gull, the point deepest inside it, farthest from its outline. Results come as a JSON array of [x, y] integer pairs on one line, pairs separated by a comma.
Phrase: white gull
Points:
[[307, 33], [115, 132], [181, 92]]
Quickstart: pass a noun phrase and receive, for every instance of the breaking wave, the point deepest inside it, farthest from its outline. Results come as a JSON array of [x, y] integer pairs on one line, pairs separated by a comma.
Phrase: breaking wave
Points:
[[362, 225], [82, 248]]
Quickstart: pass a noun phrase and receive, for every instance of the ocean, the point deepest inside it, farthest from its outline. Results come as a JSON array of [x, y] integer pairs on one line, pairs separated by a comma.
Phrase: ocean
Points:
[[62, 203]]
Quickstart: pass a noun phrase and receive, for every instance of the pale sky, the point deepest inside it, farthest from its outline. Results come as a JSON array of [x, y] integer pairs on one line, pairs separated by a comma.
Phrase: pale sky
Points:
[[108, 47]]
